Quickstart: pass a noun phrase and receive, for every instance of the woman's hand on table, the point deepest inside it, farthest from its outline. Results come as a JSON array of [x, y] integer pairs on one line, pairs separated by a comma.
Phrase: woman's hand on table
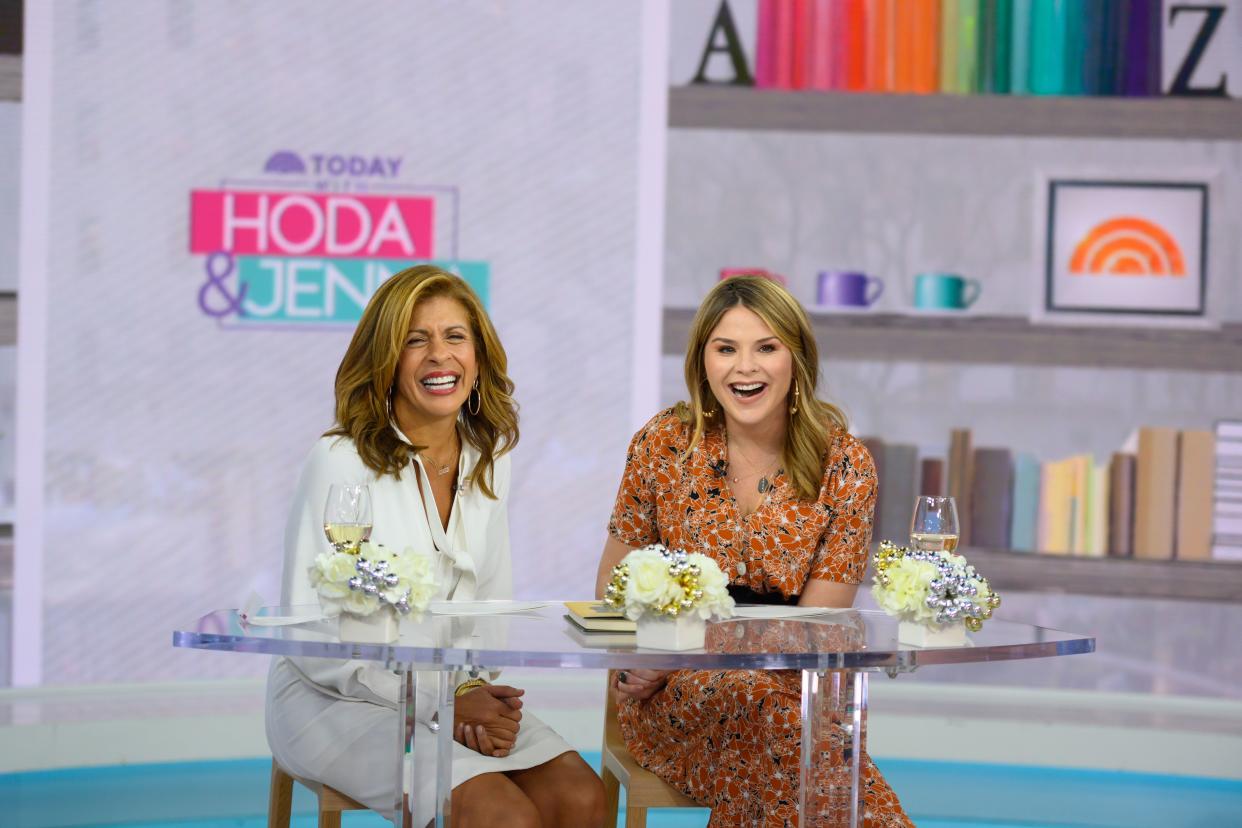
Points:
[[486, 719], [638, 685]]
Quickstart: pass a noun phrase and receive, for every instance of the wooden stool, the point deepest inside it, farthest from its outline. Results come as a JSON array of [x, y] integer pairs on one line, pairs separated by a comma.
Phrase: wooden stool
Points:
[[643, 789], [280, 800]]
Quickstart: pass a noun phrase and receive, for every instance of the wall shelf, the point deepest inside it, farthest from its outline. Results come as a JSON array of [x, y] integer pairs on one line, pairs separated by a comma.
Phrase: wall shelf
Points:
[[1119, 577], [1009, 340], [743, 108]]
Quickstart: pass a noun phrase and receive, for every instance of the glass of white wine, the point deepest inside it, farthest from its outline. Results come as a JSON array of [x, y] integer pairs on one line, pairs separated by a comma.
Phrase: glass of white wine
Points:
[[347, 516], [934, 526]]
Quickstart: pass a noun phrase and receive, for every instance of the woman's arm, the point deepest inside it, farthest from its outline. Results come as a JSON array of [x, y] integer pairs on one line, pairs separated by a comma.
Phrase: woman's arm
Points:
[[614, 551], [820, 593]]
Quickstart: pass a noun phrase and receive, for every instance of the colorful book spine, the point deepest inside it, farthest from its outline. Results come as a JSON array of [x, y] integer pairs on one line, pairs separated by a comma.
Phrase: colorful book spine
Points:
[[1020, 48], [1196, 455], [800, 45], [765, 44], [1097, 517], [991, 499], [820, 46], [967, 46], [785, 33], [1115, 14], [880, 18], [1141, 53], [1075, 55], [995, 42], [1092, 25], [1049, 24], [985, 60], [924, 17], [1155, 493], [961, 479], [1022, 531], [854, 39], [948, 47], [1227, 492], [931, 477], [1121, 506]]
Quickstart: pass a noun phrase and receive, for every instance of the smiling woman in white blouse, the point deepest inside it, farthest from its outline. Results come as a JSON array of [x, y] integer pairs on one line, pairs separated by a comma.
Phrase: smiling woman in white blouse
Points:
[[425, 415]]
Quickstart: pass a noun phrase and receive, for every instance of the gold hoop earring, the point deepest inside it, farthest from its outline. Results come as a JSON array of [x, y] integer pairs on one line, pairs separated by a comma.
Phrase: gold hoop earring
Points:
[[475, 397], [794, 409]]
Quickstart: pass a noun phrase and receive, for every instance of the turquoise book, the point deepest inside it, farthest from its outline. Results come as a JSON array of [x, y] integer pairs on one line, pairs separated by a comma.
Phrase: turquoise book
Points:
[[1049, 24], [1020, 48], [1094, 34], [1023, 530]]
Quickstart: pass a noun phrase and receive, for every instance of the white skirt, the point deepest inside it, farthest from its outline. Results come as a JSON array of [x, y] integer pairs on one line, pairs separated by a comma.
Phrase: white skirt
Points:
[[351, 745]]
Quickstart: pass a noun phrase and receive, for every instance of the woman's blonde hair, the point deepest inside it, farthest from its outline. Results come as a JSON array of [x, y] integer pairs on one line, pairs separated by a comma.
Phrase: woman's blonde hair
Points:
[[814, 423], [364, 382]]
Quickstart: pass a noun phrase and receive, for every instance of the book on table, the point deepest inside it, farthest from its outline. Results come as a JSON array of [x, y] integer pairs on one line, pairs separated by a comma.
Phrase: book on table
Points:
[[598, 617]]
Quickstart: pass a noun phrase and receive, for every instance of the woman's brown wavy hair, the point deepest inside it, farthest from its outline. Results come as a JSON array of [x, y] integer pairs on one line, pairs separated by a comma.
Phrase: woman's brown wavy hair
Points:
[[369, 368], [814, 425]]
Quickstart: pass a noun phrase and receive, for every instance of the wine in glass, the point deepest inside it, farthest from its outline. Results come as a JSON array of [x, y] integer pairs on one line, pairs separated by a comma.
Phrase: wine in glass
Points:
[[934, 526], [347, 516]]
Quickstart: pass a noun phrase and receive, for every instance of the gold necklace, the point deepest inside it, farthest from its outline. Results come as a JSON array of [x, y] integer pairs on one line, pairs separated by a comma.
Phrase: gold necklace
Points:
[[443, 468], [764, 482]]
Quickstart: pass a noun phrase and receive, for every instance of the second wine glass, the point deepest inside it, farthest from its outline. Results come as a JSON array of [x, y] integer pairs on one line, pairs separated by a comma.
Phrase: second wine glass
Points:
[[934, 526], [347, 516]]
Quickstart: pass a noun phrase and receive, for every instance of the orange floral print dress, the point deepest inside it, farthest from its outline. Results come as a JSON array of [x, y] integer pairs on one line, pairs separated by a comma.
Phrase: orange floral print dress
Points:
[[731, 739]]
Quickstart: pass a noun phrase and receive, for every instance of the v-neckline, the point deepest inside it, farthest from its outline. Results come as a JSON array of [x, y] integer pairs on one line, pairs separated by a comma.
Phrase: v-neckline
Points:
[[439, 533], [717, 447]]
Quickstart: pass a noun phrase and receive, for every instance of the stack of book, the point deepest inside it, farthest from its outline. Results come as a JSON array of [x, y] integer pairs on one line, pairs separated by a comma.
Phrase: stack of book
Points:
[[595, 624], [1168, 494], [1227, 500], [1003, 47]]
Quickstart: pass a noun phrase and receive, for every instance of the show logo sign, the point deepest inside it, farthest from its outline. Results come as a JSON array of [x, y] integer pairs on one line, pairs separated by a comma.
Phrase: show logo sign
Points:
[[310, 244]]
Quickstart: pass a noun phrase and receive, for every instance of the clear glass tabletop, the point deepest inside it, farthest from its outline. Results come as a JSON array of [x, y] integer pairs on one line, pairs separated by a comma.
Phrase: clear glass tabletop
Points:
[[543, 637]]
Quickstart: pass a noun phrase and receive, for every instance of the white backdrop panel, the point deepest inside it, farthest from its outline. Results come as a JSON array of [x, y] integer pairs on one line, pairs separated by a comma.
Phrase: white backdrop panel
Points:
[[172, 443]]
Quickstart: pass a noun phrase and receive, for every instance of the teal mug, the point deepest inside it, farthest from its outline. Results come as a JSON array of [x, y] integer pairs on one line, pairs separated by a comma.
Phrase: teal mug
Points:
[[945, 291]]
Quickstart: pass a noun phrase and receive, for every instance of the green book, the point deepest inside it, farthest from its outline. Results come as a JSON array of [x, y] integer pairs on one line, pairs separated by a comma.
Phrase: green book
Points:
[[948, 47], [1049, 30], [1001, 24], [967, 46], [1020, 47], [985, 62]]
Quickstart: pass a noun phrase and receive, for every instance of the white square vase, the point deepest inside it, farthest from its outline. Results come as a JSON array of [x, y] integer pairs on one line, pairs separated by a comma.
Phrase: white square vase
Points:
[[379, 627], [918, 635], [659, 632]]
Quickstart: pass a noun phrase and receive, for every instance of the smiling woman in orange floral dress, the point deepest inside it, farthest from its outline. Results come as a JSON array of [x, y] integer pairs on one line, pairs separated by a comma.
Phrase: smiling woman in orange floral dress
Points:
[[756, 472]]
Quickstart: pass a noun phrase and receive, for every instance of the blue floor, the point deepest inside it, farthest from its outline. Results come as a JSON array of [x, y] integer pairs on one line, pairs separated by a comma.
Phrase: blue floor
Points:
[[936, 795]]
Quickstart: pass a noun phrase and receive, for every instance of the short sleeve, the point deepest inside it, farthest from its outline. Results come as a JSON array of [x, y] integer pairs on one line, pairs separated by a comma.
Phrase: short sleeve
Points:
[[849, 497], [633, 520]]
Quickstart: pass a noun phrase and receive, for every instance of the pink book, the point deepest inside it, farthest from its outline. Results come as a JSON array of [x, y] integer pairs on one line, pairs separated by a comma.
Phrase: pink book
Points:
[[819, 46], [801, 43], [765, 44], [783, 78], [837, 28]]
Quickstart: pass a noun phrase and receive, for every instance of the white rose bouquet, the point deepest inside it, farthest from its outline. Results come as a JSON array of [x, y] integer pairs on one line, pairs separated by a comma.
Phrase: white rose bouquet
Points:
[[659, 581], [375, 577], [934, 589]]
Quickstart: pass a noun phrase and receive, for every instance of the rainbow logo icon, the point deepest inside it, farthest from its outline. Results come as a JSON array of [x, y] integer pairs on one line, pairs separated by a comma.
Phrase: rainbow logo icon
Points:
[[1127, 246]]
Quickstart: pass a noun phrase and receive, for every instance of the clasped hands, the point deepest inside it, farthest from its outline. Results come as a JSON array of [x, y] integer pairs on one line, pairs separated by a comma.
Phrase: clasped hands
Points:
[[486, 719], [638, 685]]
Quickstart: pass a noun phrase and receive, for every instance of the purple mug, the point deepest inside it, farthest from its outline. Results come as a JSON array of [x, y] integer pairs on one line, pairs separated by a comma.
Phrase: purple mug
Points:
[[848, 289]]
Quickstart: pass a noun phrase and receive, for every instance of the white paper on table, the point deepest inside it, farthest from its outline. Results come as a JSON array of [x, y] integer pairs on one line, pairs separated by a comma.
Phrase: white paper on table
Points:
[[780, 611], [283, 620], [484, 607]]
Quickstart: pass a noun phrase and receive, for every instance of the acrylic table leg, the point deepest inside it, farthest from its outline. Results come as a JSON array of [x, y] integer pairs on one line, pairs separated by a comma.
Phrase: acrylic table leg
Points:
[[407, 694], [834, 735], [444, 751]]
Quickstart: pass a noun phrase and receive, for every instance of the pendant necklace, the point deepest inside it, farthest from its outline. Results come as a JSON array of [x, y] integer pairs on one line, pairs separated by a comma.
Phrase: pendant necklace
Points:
[[764, 482]]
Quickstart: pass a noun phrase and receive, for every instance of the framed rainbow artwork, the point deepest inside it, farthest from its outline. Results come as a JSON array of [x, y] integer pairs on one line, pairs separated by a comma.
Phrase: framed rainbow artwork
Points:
[[1118, 249]]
